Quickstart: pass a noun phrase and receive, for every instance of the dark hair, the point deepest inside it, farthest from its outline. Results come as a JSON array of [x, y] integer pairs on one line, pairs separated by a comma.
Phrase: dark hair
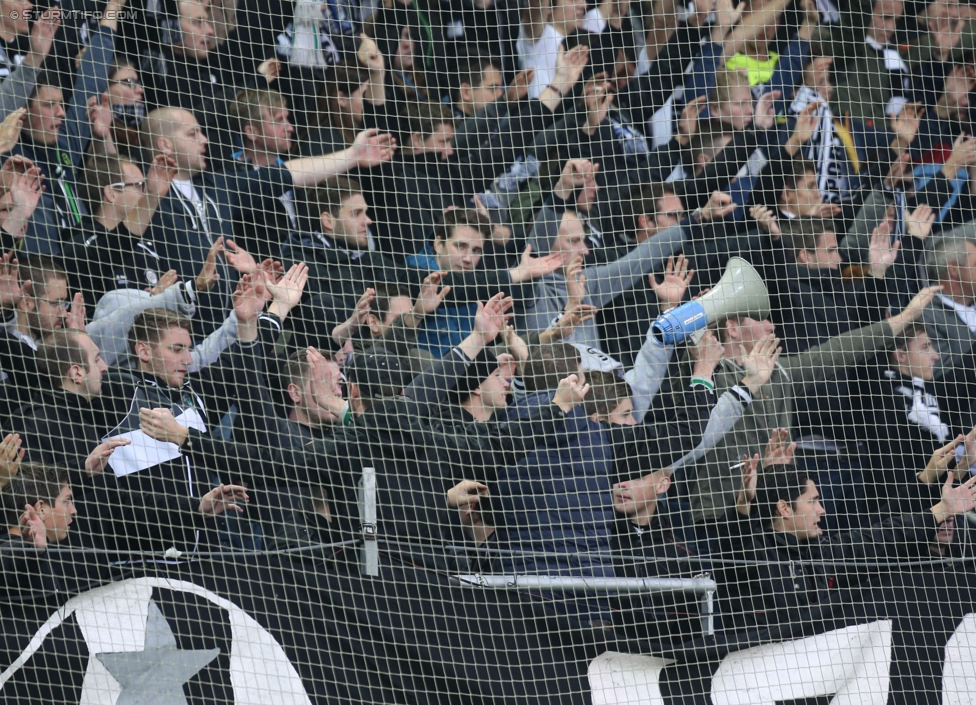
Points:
[[424, 117], [805, 233], [329, 196], [606, 392], [33, 483], [643, 200], [341, 79], [58, 353], [39, 270], [777, 483], [100, 171], [912, 331], [458, 217], [385, 291], [45, 78], [471, 69], [795, 169], [151, 325], [548, 364]]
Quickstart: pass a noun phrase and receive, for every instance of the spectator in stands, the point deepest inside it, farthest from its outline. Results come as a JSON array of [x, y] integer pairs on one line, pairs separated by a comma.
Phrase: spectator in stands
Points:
[[20, 65], [336, 244], [106, 251], [38, 509], [419, 185], [816, 303], [559, 231], [710, 492], [45, 305], [195, 220], [904, 423], [795, 570], [262, 124], [456, 250], [126, 97], [56, 136], [543, 31]]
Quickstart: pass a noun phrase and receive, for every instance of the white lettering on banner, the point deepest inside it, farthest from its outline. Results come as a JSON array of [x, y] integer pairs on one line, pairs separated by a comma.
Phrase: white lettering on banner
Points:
[[958, 678], [626, 678], [851, 664]]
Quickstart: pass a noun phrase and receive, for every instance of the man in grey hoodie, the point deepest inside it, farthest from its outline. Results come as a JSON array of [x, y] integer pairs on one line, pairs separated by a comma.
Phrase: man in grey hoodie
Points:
[[558, 229]]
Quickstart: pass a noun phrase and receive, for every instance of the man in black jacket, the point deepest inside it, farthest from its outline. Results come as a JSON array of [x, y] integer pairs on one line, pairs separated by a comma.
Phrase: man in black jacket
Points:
[[798, 578], [62, 430], [336, 244]]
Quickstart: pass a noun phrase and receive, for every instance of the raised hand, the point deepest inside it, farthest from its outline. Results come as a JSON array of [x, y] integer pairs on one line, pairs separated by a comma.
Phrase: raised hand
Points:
[[164, 283], [748, 484], [779, 450], [10, 129], [32, 528], [957, 500], [11, 290], [575, 283], [767, 220], [368, 54], [882, 253], [358, 318], [569, 67], [913, 311], [77, 315], [160, 175], [24, 195], [239, 258], [597, 97], [100, 116], [764, 115], [371, 148], [492, 317], [688, 122], [11, 455], [223, 497], [534, 267], [717, 207], [671, 290], [430, 298], [939, 461], [760, 362], [570, 393], [208, 275], [249, 299], [516, 346], [519, 87], [918, 223], [576, 174], [97, 460], [807, 122], [905, 125], [42, 36], [287, 291], [707, 354], [573, 317]]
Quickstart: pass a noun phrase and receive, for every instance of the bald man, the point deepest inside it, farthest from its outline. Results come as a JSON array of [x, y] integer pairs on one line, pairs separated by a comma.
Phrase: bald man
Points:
[[201, 208]]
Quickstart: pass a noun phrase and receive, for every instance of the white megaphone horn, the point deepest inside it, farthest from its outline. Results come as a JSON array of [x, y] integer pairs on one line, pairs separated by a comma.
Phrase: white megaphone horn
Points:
[[740, 292]]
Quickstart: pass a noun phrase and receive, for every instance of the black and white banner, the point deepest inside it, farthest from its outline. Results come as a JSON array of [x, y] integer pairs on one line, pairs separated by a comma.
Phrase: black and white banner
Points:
[[252, 633]]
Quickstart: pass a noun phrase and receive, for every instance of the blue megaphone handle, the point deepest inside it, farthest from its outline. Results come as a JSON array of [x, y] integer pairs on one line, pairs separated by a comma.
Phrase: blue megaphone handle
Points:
[[677, 324]]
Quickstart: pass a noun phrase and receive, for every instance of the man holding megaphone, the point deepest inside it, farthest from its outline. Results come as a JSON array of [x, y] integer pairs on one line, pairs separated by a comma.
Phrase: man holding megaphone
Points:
[[739, 308]]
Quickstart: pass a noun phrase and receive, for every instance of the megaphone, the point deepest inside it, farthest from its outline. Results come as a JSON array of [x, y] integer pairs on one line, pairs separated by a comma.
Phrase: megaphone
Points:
[[740, 292]]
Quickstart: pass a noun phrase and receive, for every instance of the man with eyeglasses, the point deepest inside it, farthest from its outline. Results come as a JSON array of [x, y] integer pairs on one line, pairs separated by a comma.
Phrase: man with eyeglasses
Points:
[[107, 252], [42, 306]]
